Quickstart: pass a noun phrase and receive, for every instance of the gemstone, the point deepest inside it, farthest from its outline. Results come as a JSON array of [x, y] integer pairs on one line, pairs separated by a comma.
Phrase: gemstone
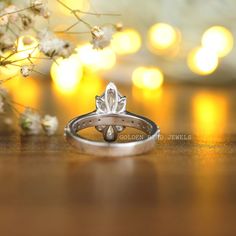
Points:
[[100, 128], [110, 133], [111, 99], [100, 104], [120, 128], [121, 105]]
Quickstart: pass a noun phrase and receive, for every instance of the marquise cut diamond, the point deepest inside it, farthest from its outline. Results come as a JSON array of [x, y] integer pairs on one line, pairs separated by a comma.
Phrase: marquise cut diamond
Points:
[[111, 101]]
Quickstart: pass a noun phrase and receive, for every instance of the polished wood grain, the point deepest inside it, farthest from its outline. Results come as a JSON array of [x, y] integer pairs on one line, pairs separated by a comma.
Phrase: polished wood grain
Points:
[[186, 186]]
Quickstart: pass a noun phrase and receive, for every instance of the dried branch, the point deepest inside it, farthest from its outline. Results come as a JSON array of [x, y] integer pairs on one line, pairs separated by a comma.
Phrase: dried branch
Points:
[[18, 11]]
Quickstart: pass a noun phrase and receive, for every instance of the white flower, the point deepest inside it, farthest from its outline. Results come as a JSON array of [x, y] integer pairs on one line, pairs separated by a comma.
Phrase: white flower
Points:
[[6, 42], [25, 71], [50, 124], [54, 47], [27, 20], [97, 32], [4, 19], [45, 13], [30, 122], [45, 34], [101, 37], [37, 4], [119, 26], [39, 7], [12, 13]]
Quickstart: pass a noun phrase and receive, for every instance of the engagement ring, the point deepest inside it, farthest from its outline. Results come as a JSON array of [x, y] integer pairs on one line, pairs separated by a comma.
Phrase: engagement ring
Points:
[[111, 118]]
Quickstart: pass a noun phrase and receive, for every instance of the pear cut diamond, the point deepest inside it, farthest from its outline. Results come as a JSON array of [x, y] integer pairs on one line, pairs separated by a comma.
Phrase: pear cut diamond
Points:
[[110, 133]]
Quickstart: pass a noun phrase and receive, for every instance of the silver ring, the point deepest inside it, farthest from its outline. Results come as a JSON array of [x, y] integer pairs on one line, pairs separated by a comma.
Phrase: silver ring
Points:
[[111, 118]]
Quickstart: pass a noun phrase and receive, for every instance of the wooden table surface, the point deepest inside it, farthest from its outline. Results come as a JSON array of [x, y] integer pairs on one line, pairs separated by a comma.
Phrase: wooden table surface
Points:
[[186, 186]]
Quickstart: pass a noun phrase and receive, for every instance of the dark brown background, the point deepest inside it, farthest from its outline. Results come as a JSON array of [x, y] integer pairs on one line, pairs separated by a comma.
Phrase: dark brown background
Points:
[[183, 187]]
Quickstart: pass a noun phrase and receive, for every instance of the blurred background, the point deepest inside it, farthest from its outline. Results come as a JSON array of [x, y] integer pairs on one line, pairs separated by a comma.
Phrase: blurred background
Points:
[[175, 60], [184, 40]]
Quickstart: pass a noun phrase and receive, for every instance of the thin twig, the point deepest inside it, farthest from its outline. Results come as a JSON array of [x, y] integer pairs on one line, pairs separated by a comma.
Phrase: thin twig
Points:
[[38, 72], [41, 58], [75, 14], [64, 5], [64, 32], [96, 14], [23, 50], [7, 79], [72, 26], [20, 10]]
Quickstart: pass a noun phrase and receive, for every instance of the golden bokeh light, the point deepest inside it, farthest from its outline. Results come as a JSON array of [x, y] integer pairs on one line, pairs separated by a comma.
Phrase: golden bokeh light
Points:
[[96, 59], [84, 93], [219, 40], [126, 42], [160, 105], [31, 91], [67, 73], [27, 45], [9, 71], [210, 114], [148, 78], [146, 96], [163, 37], [202, 61]]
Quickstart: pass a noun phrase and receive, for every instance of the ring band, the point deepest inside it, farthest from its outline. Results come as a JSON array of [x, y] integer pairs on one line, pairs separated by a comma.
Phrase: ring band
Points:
[[111, 118]]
